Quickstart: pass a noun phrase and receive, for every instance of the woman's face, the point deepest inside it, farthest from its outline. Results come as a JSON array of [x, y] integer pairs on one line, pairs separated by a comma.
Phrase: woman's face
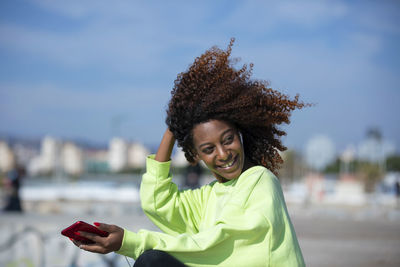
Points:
[[218, 145]]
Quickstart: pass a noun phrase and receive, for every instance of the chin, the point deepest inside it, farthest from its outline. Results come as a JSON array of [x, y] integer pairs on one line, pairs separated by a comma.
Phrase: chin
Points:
[[233, 174], [227, 176]]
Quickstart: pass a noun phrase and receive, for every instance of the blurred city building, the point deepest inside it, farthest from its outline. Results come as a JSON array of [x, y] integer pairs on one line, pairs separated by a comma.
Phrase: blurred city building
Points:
[[346, 158], [178, 159], [355, 176], [72, 159], [96, 160], [56, 157], [47, 162], [321, 174], [137, 154], [7, 158], [293, 168], [118, 155], [124, 155], [374, 148]]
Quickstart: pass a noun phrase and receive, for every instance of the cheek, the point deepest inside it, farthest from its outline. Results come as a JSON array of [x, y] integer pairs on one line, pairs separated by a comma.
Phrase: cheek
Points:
[[238, 148], [208, 160]]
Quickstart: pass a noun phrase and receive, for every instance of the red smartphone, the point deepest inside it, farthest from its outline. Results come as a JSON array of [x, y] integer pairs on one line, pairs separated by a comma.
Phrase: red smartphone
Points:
[[84, 227]]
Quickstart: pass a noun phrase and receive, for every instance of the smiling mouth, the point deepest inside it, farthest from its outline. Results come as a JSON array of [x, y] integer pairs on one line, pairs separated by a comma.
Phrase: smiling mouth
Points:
[[228, 164]]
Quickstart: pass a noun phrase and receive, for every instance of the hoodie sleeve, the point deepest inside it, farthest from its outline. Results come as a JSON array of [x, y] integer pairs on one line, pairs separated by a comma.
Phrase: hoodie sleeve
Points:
[[238, 232], [173, 211]]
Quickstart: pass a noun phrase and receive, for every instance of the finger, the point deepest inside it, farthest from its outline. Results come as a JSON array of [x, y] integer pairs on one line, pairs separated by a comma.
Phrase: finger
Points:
[[76, 243], [91, 236], [96, 248], [104, 226]]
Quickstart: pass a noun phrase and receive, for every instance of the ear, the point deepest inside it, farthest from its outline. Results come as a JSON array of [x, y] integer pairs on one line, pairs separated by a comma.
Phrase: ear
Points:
[[195, 156], [196, 159]]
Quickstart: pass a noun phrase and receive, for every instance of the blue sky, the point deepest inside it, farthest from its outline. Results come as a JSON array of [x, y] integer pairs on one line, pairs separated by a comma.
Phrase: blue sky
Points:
[[93, 69]]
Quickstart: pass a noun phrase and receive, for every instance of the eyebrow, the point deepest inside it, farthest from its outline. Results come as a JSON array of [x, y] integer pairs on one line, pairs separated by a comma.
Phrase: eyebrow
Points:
[[223, 133]]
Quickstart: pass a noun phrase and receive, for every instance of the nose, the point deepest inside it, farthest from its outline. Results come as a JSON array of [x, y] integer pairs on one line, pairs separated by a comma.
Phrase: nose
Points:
[[223, 153]]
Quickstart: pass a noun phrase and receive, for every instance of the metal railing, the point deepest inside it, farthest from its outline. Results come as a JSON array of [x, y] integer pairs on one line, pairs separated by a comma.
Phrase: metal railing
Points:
[[9, 244]]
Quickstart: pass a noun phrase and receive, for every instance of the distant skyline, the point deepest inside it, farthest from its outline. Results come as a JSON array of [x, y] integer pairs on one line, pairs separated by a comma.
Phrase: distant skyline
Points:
[[94, 69]]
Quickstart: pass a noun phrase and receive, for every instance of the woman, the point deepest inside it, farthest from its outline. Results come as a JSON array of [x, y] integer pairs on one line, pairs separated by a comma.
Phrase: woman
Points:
[[217, 115]]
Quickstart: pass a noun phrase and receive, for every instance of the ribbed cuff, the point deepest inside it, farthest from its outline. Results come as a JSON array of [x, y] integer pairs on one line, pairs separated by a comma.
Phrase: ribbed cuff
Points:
[[130, 245], [156, 168]]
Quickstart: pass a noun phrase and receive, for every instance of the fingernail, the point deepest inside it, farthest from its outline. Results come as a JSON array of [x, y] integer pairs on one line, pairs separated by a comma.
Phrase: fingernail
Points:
[[96, 223], [77, 233]]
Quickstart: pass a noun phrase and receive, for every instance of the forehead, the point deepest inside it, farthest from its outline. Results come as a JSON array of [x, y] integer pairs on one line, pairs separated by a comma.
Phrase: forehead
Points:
[[210, 130]]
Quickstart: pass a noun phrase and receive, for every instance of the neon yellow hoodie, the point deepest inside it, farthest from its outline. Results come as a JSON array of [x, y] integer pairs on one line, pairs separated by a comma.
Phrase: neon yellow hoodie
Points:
[[243, 222]]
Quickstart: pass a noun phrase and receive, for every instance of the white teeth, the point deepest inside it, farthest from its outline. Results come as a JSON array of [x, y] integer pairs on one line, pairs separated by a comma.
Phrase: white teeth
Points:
[[228, 164]]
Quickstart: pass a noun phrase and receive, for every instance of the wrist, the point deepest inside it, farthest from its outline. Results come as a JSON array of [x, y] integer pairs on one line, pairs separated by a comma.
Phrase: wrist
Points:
[[165, 149]]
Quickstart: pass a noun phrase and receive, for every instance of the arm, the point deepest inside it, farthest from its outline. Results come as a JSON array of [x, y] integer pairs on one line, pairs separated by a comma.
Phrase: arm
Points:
[[237, 233], [165, 149], [114, 240], [224, 243], [173, 211]]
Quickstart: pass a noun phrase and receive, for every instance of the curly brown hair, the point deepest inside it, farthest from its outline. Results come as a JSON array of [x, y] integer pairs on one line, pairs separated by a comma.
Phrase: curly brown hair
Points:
[[213, 89]]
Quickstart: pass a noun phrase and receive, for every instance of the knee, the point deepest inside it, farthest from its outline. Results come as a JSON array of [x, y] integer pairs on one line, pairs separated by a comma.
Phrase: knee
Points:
[[150, 258], [151, 255], [156, 258]]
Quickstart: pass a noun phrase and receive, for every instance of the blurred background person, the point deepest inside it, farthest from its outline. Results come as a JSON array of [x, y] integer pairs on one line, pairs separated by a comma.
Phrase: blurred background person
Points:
[[12, 184], [192, 176]]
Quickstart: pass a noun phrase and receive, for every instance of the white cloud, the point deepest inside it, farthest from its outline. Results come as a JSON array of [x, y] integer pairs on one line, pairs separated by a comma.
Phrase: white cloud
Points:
[[379, 17], [118, 48], [259, 17], [78, 9], [53, 97], [124, 37], [310, 13], [38, 109], [314, 63]]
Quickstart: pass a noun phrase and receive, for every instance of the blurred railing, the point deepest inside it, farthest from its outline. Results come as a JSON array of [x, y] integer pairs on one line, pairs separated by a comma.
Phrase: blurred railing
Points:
[[27, 247]]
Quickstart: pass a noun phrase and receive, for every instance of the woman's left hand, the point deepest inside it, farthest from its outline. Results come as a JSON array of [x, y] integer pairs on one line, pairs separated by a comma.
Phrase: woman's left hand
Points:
[[100, 244]]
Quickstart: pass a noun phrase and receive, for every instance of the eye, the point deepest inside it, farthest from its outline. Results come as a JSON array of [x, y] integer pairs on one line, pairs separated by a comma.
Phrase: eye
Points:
[[208, 150], [229, 139]]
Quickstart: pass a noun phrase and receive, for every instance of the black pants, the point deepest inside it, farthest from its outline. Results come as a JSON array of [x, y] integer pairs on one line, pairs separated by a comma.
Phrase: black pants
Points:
[[154, 258]]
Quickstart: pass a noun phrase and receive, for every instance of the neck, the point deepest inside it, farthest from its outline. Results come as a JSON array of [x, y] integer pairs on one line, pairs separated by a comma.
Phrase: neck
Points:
[[247, 164]]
